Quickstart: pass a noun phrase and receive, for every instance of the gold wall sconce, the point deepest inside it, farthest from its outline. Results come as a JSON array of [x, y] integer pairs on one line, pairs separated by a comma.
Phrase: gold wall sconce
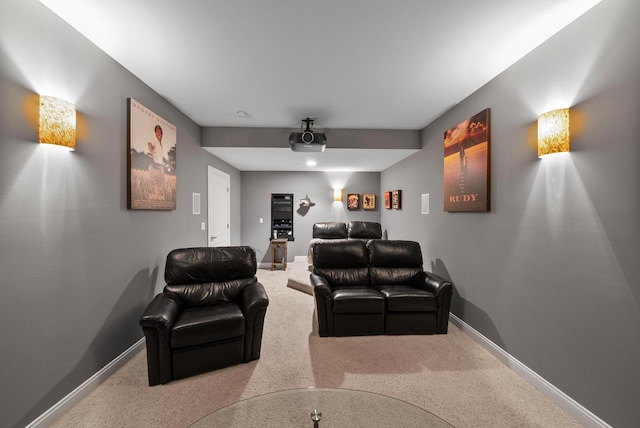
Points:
[[337, 195], [553, 132], [57, 123]]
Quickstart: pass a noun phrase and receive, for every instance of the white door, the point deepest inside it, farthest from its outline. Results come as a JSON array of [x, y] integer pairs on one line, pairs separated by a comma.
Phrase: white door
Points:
[[218, 207]]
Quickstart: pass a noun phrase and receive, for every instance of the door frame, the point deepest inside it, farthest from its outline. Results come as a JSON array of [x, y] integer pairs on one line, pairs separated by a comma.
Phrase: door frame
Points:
[[210, 201]]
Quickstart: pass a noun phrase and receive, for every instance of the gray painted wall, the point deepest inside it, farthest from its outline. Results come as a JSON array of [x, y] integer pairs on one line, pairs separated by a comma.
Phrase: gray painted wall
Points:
[[77, 267], [551, 274], [258, 187]]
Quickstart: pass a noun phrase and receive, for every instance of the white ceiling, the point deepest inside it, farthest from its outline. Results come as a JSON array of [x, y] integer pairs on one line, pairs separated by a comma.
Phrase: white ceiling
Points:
[[359, 64]]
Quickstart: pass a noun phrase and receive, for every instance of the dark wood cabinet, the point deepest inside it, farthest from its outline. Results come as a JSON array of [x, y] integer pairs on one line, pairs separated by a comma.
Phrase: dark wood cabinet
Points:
[[282, 216]]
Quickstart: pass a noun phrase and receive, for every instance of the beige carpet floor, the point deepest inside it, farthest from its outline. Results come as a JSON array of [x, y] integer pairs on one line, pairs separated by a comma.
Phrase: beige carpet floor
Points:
[[448, 375]]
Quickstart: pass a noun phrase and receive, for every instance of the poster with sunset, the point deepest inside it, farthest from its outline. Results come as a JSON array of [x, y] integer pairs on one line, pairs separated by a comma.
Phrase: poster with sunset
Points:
[[466, 165]]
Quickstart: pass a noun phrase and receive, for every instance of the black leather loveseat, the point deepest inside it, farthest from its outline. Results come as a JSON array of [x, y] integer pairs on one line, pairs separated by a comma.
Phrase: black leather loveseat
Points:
[[330, 230], [351, 230], [210, 315], [377, 287]]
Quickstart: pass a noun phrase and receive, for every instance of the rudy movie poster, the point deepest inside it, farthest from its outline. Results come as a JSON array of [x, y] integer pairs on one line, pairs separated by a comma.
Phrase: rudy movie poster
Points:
[[152, 179], [466, 165]]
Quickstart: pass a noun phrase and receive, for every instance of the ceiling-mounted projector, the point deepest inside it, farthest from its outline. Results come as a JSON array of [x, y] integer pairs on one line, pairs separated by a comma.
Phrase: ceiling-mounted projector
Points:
[[306, 140]]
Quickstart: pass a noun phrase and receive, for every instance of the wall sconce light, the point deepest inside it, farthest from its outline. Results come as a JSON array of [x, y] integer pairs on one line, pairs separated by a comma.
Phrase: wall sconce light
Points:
[[57, 122], [553, 132], [337, 195]]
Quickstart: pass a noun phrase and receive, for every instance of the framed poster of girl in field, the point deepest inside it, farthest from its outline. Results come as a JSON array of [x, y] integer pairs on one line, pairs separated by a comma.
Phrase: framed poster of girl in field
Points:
[[152, 174]]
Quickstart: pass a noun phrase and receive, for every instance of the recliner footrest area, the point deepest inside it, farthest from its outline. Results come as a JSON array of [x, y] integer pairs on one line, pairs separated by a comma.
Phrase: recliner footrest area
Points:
[[358, 324], [209, 356], [356, 300], [206, 324], [405, 298], [410, 323]]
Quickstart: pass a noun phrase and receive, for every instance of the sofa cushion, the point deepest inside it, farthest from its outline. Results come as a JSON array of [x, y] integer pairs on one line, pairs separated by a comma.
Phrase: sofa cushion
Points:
[[405, 298], [212, 293], [206, 324], [394, 253], [394, 261], [364, 230], [397, 276], [356, 277], [201, 265], [357, 300], [330, 230], [343, 262], [340, 254], [313, 243]]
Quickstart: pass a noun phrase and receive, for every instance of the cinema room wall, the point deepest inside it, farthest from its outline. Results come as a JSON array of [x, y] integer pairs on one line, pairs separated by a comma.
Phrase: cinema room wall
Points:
[[550, 274], [77, 267]]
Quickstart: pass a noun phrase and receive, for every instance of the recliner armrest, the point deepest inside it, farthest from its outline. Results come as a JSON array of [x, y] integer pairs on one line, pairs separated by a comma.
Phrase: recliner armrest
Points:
[[254, 299], [433, 283], [443, 289], [157, 320], [320, 285], [162, 312]]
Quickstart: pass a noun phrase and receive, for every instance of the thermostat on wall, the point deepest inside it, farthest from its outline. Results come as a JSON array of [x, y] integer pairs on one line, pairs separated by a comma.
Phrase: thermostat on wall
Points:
[[425, 203]]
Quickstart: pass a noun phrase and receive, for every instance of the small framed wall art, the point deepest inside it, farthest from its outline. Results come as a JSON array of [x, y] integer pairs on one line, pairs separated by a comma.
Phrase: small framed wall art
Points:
[[387, 200], [353, 201], [396, 199], [369, 201]]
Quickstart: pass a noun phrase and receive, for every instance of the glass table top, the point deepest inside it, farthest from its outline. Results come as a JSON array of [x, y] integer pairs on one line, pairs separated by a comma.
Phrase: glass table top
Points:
[[321, 407]]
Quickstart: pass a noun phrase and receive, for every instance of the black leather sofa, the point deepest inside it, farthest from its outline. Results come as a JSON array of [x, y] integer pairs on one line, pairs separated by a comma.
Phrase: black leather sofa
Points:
[[210, 314], [352, 230], [331, 230], [377, 287]]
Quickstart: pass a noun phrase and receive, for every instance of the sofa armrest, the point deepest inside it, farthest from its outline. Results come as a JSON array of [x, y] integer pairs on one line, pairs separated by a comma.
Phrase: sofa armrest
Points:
[[443, 290], [254, 299], [320, 285], [161, 313], [253, 304], [324, 304], [433, 283], [157, 320]]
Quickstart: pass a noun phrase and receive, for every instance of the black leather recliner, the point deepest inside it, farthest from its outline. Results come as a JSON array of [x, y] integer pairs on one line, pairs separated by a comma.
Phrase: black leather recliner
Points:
[[209, 316], [363, 230], [377, 288]]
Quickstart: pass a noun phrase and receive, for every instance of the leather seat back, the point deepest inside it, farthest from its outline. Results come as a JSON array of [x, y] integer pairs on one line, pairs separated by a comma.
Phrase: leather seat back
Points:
[[394, 261], [210, 275], [364, 230], [330, 230], [342, 262]]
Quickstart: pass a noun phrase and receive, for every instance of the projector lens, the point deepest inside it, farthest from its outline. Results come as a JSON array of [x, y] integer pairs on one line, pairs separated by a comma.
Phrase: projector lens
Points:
[[307, 137]]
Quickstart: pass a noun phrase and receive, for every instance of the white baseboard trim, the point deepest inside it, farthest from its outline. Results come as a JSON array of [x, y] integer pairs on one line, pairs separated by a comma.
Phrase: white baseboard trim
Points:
[[61, 407], [562, 400]]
